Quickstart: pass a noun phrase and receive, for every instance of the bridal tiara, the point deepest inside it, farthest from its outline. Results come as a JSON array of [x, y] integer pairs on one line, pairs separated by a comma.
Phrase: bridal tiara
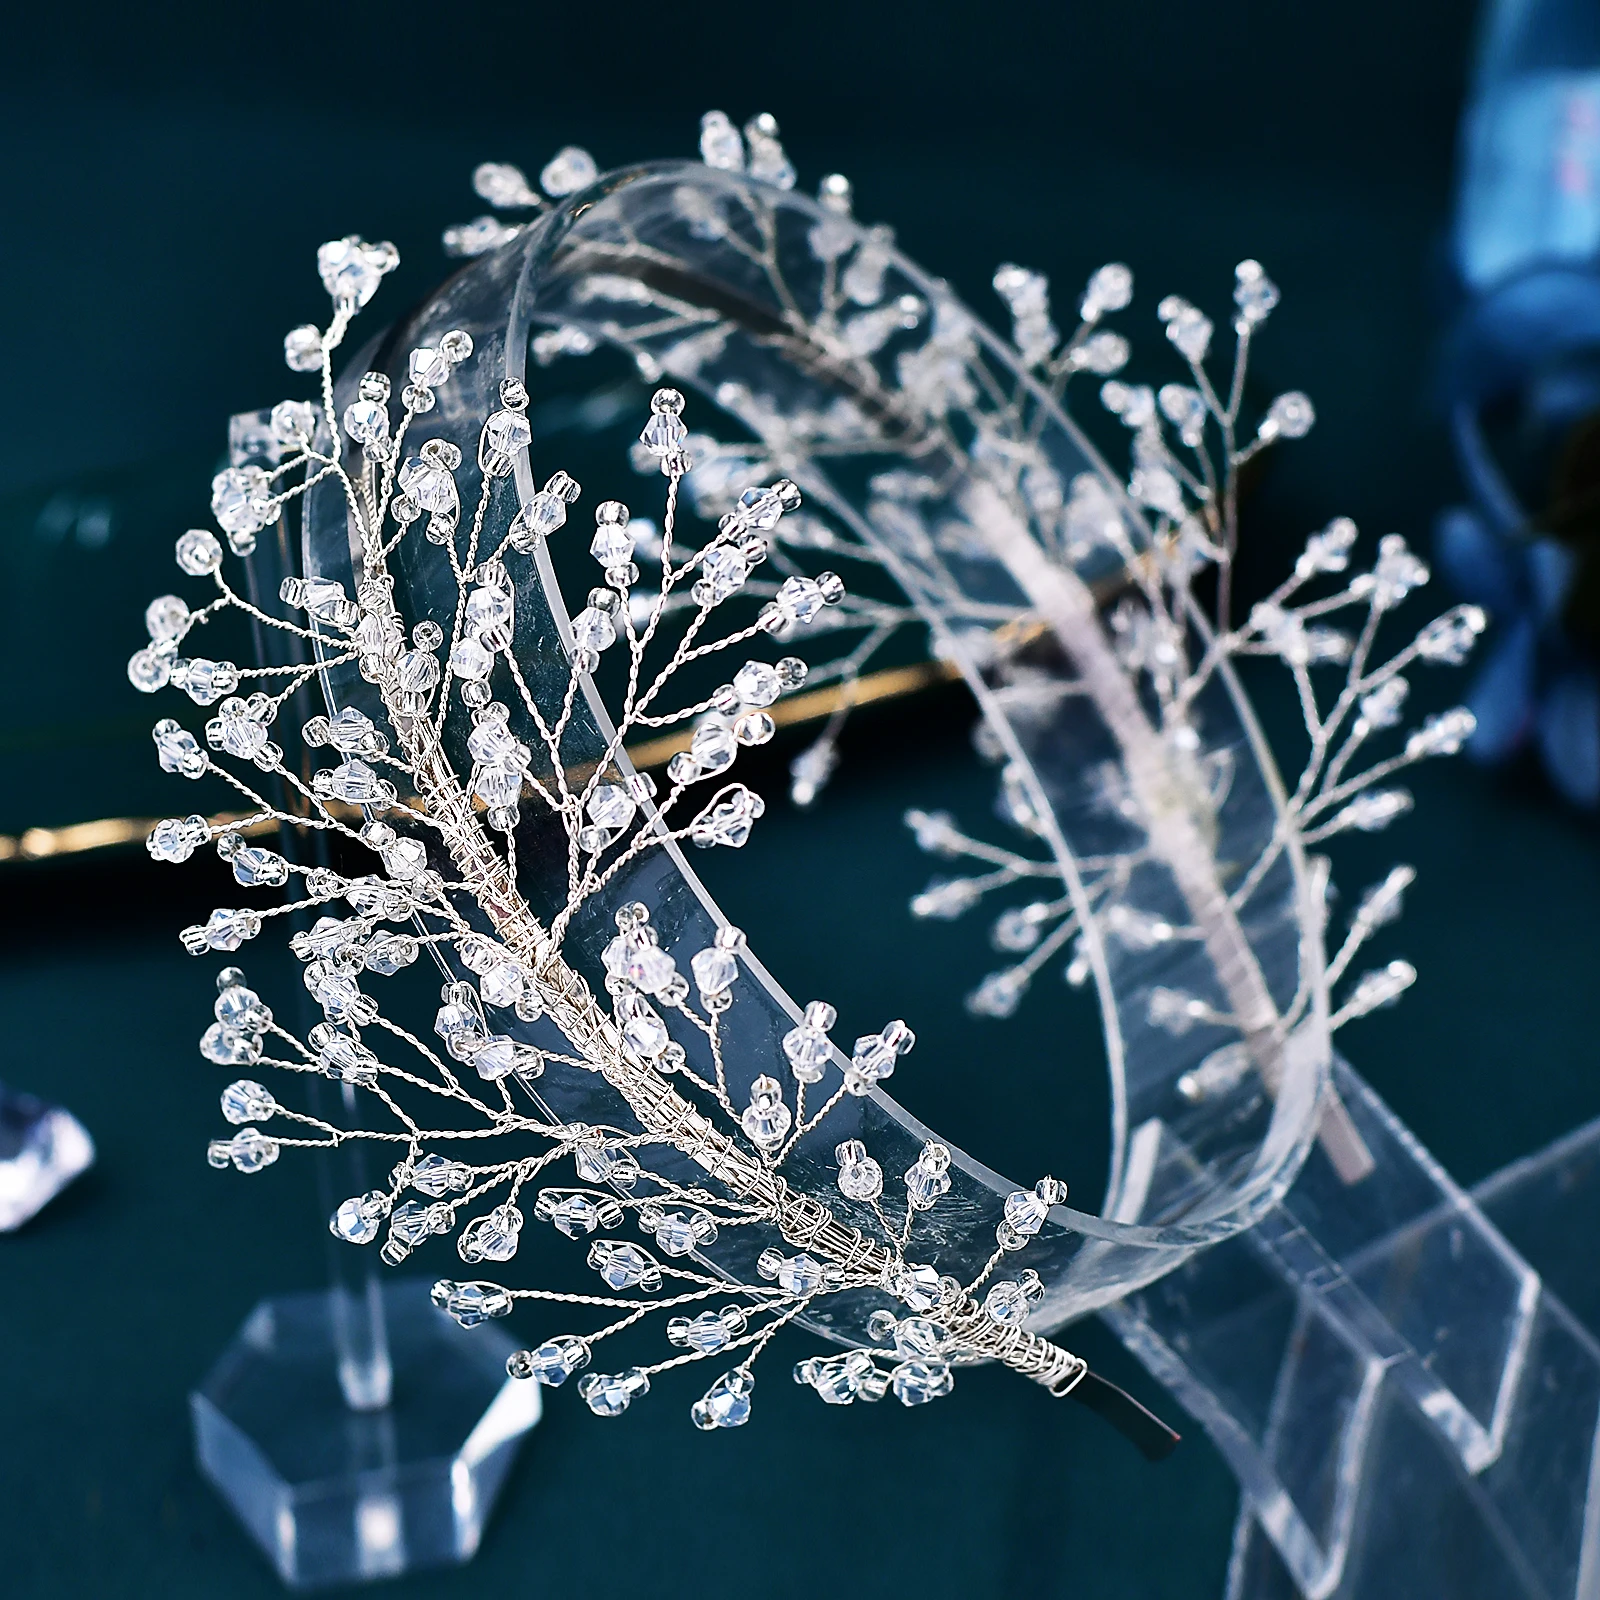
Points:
[[460, 815]]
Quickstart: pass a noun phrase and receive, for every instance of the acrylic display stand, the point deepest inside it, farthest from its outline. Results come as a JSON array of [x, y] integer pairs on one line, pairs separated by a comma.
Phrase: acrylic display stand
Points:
[[356, 1431], [335, 1491], [1410, 1403]]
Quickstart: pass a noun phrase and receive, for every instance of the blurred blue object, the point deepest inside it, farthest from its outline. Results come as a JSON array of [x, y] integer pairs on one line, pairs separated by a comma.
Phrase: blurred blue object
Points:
[[1523, 376], [42, 1149]]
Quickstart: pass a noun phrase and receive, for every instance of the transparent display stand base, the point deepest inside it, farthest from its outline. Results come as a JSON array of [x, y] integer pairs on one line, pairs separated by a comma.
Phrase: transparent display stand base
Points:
[[334, 1494]]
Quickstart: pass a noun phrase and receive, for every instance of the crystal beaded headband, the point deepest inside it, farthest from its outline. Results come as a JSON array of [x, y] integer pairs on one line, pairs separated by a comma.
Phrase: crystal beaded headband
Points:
[[608, 1054]]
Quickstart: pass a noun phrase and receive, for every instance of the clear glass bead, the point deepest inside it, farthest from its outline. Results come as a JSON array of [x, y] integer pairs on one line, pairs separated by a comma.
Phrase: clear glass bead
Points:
[[726, 1404], [608, 1394]]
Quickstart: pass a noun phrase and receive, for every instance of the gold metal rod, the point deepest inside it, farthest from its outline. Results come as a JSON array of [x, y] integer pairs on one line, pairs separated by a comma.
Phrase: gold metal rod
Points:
[[42, 844]]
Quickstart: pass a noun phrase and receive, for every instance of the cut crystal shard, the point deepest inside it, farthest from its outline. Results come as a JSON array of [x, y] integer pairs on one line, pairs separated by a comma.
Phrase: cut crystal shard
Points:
[[42, 1149]]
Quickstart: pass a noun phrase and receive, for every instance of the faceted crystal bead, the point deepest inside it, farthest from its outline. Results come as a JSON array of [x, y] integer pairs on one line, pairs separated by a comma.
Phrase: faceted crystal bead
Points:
[[709, 1332], [624, 1266], [166, 617], [920, 1338], [593, 630], [799, 599], [929, 1178], [150, 669], [411, 1222], [917, 1382], [427, 367], [504, 186], [840, 1380], [753, 727], [387, 953], [351, 269], [766, 1119], [1442, 734], [302, 349], [608, 1394], [239, 1007], [355, 783], [1290, 416], [600, 1163], [177, 838], [488, 607], [205, 682], [428, 484], [568, 171], [552, 1363], [1109, 289], [344, 1059], [612, 544], [230, 1047], [241, 500], [611, 807], [470, 661], [720, 144], [875, 1055], [461, 1028], [860, 1177], [1187, 327], [498, 786], [236, 731], [576, 1215], [726, 1404], [436, 1175], [1396, 574], [1025, 1212], [491, 1238], [247, 1101], [1009, 1301], [798, 1275], [919, 1287], [768, 163], [714, 970], [471, 1304], [729, 821], [642, 1027], [713, 747], [367, 421], [664, 435], [504, 434], [679, 1233], [807, 1046], [1254, 292], [228, 929], [542, 516], [249, 1150], [722, 573], [757, 684], [359, 1219], [1449, 639], [499, 1056], [491, 742], [503, 984]]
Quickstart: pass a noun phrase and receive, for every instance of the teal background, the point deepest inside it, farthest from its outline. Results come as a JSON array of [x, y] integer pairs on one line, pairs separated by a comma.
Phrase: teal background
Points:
[[165, 182]]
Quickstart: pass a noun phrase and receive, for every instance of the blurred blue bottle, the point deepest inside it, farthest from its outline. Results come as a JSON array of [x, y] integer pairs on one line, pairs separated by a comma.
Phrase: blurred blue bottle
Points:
[[1523, 378]]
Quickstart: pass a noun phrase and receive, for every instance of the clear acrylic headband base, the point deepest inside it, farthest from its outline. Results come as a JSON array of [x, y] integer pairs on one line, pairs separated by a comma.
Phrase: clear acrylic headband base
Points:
[[334, 1494]]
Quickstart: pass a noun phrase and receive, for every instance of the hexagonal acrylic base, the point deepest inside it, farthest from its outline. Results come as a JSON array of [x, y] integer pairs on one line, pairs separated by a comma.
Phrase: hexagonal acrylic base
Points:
[[336, 1495]]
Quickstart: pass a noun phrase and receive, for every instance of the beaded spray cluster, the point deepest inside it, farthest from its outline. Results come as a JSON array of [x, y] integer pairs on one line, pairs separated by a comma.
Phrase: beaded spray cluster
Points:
[[1188, 490]]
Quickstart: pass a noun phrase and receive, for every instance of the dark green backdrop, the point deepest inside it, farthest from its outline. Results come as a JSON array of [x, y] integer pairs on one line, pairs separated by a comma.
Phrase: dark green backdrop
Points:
[[164, 183]]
